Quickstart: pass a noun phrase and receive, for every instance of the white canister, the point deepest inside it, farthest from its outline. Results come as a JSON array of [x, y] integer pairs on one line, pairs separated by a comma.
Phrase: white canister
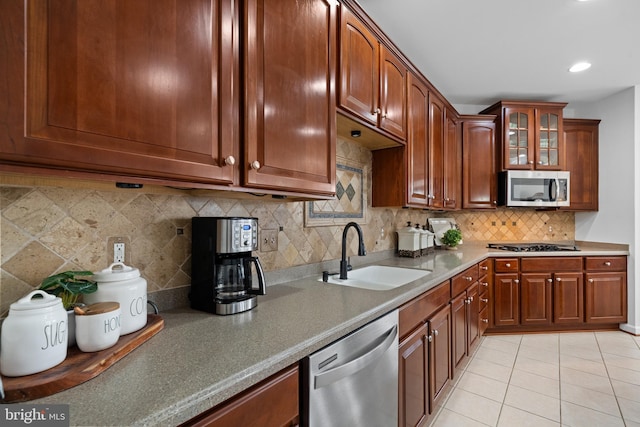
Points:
[[409, 242], [34, 335], [122, 284], [97, 326]]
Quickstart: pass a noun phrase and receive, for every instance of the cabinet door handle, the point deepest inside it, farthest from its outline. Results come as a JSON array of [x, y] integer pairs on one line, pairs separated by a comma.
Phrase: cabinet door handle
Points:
[[468, 278], [485, 320], [429, 338], [516, 281], [484, 268], [551, 280], [484, 299], [255, 165], [590, 280], [539, 162], [607, 263], [530, 162], [508, 265], [485, 284], [230, 161], [558, 279], [495, 202]]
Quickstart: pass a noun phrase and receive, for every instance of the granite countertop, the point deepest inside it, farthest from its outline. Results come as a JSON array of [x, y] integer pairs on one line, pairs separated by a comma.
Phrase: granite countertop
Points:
[[198, 360]]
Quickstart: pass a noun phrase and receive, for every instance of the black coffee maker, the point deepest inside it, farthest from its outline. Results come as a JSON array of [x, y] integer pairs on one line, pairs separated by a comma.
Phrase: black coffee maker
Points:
[[221, 265]]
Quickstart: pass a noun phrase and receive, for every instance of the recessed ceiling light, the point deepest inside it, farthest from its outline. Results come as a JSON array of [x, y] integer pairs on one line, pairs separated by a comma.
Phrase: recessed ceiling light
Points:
[[579, 66]]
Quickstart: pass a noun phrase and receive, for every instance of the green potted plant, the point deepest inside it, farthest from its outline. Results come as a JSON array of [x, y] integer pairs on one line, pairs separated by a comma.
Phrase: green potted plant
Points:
[[451, 238], [68, 286]]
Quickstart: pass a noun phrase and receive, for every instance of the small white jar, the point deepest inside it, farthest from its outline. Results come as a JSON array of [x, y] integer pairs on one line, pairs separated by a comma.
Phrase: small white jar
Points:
[[122, 284], [34, 335], [97, 326]]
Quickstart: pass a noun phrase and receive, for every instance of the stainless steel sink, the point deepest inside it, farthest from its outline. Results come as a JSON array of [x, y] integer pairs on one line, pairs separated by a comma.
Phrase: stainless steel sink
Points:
[[379, 277]]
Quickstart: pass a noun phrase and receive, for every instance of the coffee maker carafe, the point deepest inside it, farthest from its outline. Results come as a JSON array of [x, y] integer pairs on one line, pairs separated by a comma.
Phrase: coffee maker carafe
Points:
[[222, 265]]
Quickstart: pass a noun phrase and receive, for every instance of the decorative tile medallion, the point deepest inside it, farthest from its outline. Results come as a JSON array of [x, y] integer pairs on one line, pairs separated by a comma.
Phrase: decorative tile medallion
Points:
[[350, 202]]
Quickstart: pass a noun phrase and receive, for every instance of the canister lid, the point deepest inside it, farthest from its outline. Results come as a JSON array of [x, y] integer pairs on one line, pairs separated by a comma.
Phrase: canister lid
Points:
[[30, 303], [97, 308], [116, 272]]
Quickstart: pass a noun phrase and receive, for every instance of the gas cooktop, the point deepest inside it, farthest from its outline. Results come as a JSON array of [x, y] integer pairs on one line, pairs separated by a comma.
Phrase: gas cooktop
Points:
[[531, 247]]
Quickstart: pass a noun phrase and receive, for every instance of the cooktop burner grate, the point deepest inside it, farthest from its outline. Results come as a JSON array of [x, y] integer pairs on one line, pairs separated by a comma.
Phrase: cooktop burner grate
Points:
[[531, 247]]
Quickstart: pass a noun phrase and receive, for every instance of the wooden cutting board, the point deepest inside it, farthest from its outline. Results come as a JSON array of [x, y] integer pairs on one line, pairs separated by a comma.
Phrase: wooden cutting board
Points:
[[78, 367]]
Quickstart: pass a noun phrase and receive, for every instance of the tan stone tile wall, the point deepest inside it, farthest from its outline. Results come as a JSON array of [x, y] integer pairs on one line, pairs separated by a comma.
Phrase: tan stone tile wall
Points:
[[48, 229]]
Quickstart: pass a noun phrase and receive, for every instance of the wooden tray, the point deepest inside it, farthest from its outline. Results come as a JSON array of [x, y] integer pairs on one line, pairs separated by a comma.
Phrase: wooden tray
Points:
[[78, 367]]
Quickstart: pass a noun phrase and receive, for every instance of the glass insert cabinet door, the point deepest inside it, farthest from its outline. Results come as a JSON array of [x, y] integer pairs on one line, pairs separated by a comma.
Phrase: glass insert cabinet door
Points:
[[548, 148], [518, 134]]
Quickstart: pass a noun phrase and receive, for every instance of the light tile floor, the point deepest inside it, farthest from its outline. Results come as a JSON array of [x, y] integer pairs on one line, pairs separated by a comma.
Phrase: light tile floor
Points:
[[584, 379]]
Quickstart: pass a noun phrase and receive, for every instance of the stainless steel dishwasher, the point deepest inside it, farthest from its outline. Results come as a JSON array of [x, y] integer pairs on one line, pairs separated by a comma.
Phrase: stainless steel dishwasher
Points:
[[354, 381]]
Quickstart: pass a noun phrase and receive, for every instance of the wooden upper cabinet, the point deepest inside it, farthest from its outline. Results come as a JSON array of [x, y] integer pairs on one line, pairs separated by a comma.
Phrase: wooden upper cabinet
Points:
[[143, 89], [373, 80], [581, 143], [360, 71], [418, 143], [436, 151], [393, 94], [452, 159], [478, 162], [289, 109], [530, 135]]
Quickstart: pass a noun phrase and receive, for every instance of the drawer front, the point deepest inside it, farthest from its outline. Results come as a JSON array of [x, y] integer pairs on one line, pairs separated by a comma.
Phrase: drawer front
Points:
[[417, 311], [550, 264], [603, 263], [484, 267], [506, 265], [484, 301], [462, 281], [484, 320]]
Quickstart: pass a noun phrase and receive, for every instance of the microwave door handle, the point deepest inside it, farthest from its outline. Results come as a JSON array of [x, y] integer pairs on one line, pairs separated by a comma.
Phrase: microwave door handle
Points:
[[553, 190]]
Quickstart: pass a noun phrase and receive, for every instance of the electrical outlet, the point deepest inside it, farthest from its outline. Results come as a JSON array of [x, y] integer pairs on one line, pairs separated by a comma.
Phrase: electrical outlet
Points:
[[118, 252], [269, 240]]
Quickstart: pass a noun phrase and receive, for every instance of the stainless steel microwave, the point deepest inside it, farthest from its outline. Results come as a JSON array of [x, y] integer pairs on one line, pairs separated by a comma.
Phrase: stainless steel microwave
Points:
[[534, 188]]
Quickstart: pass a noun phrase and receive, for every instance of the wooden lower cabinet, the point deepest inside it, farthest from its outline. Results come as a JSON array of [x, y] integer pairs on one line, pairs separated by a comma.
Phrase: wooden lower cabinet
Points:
[[272, 403], [425, 370], [465, 310], [413, 378], [535, 298], [559, 293], [606, 297]]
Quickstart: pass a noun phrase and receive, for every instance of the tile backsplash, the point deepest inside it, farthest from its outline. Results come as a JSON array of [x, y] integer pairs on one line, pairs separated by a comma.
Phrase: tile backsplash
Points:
[[47, 228]]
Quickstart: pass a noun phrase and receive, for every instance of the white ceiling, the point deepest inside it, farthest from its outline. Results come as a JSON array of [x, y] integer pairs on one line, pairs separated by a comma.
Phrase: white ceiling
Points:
[[480, 51]]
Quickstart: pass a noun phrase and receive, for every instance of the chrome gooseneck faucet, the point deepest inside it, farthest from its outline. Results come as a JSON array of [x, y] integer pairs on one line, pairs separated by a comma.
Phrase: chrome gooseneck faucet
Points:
[[344, 264]]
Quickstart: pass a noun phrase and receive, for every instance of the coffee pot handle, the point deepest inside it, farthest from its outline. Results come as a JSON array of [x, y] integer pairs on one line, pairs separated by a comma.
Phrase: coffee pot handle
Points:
[[262, 290]]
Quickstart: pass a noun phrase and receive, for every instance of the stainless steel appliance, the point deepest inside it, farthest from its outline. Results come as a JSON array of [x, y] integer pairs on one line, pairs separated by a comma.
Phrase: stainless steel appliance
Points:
[[354, 381], [532, 247], [222, 267], [534, 188]]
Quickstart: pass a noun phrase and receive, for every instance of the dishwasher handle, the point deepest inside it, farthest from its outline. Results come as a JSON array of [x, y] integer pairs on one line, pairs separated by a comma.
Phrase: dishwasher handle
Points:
[[351, 367]]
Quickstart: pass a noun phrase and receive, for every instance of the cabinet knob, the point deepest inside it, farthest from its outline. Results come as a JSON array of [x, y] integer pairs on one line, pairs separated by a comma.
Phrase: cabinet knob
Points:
[[539, 162], [429, 338], [551, 280], [255, 165], [530, 162], [485, 320], [447, 199], [384, 116], [495, 202], [484, 299], [377, 111], [435, 332], [508, 265], [558, 279], [230, 161], [485, 284], [468, 278], [516, 281], [607, 263], [590, 280], [484, 268]]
